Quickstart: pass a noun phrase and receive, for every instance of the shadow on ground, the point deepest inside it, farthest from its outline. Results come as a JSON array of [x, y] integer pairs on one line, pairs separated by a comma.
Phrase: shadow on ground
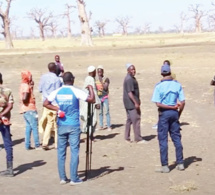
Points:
[[149, 137], [28, 166], [96, 173], [109, 136], [114, 126], [184, 123], [187, 162], [18, 141]]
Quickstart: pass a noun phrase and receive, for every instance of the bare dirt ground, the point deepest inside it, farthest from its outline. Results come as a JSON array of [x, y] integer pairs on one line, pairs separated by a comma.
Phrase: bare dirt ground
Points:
[[119, 167]]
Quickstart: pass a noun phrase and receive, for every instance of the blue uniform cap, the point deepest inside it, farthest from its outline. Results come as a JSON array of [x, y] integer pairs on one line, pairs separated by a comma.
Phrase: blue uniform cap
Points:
[[165, 69]]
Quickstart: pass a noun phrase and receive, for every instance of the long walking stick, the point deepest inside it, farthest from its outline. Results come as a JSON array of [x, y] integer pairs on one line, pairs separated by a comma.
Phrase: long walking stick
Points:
[[91, 136], [88, 141]]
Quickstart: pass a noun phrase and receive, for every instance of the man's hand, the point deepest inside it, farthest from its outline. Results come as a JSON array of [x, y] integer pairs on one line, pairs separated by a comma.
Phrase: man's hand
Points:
[[97, 106]]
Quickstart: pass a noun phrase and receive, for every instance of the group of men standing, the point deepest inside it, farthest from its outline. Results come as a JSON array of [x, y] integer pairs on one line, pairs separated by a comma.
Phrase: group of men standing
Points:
[[169, 98], [61, 113]]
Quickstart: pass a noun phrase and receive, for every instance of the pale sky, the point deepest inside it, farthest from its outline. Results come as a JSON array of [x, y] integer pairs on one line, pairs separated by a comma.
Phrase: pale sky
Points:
[[159, 13]]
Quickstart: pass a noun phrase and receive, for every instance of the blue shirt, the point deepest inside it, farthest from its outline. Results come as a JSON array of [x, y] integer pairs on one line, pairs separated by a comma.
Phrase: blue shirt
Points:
[[67, 98], [167, 92], [48, 83]]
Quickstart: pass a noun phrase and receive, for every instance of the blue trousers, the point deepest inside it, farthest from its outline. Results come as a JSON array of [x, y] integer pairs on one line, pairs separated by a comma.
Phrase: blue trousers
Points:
[[31, 120], [168, 122], [6, 136], [72, 135], [104, 106]]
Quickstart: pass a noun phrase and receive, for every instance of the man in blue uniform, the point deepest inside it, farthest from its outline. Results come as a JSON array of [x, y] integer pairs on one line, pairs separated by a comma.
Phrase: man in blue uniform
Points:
[[67, 99], [166, 94]]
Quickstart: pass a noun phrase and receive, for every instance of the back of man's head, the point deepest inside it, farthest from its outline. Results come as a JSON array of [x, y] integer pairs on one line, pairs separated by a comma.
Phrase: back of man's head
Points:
[[68, 78], [52, 67]]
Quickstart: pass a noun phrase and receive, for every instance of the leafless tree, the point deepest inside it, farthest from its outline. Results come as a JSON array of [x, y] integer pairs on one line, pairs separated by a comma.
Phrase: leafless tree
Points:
[[67, 15], [85, 27], [211, 18], [160, 29], [198, 15], [53, 29], [138, 30], [6, 24], [183, 19], [123, 24], [100, 26], [32, 33], [43, 20], [146, 28]]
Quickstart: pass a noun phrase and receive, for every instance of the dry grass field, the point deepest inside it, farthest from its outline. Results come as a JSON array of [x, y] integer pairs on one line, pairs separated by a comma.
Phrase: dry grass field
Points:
[[119, 167]]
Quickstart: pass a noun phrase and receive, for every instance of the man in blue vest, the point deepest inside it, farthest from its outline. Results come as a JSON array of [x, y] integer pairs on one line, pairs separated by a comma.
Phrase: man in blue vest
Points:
[[166, 94], [67, 99]]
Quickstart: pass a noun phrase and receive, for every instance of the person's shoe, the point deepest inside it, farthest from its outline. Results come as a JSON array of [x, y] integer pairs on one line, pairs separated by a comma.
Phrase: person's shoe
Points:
[[180, 167], [142, 142], [73, 183], [30, 148], [128, 141], [109, 129], [163, 169], [45, 148], [62, 182], [155, 126], [38, 148], [9, 171]]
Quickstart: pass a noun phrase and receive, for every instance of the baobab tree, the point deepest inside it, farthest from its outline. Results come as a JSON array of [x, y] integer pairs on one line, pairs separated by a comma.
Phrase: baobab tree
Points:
[[123, 24], [53, 29], [198, 15], [100, 26], [211, 18], [43, 20], [146, 28], [67, 15], [6, 24], [85, 27], [183, 19]]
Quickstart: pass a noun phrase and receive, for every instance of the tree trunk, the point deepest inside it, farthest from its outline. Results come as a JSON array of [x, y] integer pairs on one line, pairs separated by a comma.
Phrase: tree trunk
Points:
[[69, 33], [42, 32], [85, 28], [7, 35]]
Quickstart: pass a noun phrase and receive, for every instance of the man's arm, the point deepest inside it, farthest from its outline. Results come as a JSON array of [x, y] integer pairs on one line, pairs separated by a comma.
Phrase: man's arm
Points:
[[131, 96], [91, 97], [6, 110], [48, 105], [25, 97], [159, 105], [181, 107]]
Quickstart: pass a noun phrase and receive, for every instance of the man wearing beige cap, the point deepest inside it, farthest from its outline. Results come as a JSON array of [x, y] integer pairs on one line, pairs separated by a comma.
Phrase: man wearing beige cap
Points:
[[90, 80]]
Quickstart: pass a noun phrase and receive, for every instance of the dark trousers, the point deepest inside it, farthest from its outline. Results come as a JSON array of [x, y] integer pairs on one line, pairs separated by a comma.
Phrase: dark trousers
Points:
[[6, 136], [168, 122], [133, 117]]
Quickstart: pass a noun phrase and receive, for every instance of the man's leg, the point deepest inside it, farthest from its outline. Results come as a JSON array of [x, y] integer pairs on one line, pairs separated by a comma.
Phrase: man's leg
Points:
[[163, 127], [43, 121], [101, 115], [74, 141], [176, 137], [34, 127], [128, 126], [5, 131], [61, 152], [107, 112], [50, 123], [27, 118], [135, 119]]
